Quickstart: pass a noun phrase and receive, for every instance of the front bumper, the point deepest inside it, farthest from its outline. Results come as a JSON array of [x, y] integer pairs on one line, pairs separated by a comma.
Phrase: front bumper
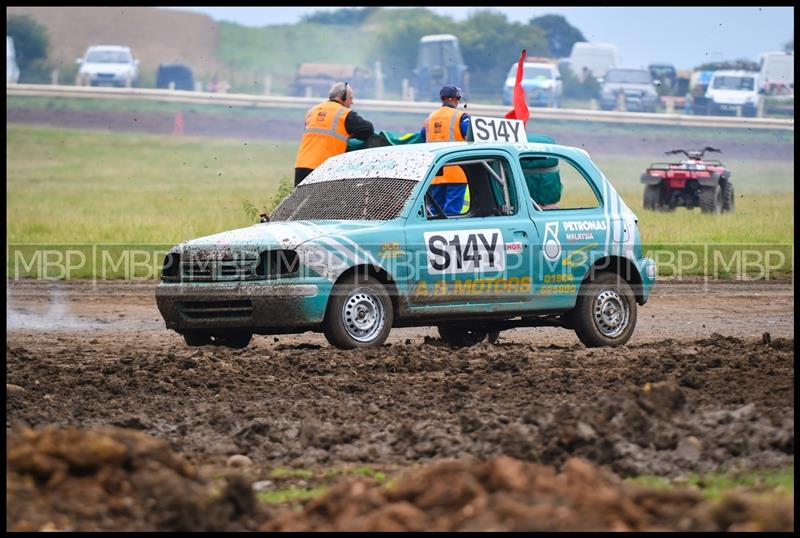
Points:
[[648, 272], [262, 306]]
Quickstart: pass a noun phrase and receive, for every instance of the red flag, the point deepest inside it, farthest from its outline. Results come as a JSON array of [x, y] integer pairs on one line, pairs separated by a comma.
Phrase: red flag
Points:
[[520, 110]]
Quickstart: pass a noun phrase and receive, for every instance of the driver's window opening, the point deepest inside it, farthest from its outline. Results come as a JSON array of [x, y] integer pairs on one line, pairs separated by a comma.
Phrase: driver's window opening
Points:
[[555, 183], [473, 188]]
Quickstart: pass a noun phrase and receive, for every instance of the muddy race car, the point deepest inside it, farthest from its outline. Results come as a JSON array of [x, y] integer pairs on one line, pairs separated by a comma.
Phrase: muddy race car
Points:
[[692, 182], [365, 243]]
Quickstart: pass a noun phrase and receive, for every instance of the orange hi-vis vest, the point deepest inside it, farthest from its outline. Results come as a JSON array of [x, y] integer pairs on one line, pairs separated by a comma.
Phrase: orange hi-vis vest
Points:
[[324, 135], [444, 125]]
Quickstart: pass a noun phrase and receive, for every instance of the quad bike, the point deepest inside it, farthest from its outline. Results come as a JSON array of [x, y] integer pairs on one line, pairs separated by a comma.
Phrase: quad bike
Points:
[[693, 182]]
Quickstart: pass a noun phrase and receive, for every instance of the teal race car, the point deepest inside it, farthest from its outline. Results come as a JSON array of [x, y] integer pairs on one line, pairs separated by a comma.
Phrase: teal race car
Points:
[[537, 236]]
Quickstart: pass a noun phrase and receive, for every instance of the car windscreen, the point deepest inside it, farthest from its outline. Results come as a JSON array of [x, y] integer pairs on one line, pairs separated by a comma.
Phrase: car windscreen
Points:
[[628, 75], [346, 199], [108, 57], [733, 83]]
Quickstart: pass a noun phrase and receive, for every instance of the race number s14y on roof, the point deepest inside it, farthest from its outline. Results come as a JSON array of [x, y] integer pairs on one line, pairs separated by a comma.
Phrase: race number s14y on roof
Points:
[[485, 129]]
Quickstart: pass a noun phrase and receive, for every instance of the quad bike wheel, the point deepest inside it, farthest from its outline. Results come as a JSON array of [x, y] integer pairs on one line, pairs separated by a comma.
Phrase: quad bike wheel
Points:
[[728, 197], [652, 197], [711, 199]]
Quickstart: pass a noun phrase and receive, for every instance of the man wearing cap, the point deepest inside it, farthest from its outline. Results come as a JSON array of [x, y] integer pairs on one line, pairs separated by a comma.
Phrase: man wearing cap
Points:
[[448, 124], [328, 126]]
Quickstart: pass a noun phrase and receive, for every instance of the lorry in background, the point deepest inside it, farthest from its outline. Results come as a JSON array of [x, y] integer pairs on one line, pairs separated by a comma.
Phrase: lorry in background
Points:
[[596, 58], [439, 62], [777, 73]]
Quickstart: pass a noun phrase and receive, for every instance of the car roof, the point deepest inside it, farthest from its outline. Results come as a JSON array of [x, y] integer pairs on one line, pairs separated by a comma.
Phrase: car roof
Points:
[[442, 148], [108, 47], [735, 73]]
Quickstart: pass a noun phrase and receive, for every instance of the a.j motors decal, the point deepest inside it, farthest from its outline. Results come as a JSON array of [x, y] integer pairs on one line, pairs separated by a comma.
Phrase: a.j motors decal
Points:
[[465, 251], [551, 247]]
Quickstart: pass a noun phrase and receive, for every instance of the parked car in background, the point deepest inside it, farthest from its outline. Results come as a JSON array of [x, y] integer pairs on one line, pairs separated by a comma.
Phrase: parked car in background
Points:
[[633, 85], [541, 82], [734, 92], [439, 62], [777, 73], [665, 74], [12, 70], [178, 74], [108, 65], [596, 58]]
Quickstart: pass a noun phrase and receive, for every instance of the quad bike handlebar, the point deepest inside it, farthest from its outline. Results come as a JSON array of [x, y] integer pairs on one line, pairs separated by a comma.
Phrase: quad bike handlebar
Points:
[[693, 153]]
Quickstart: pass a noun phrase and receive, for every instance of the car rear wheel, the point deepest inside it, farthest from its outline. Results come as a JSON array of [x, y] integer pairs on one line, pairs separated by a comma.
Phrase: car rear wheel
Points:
[[711, 199], [359, 314], [605, 312]]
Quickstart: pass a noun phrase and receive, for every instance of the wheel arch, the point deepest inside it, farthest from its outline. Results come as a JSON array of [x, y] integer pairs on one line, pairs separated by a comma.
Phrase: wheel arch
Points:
[[621, 266], [376, 272]]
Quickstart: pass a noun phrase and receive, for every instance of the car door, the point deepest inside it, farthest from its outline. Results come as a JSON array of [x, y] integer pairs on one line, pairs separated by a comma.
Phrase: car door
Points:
[[567, 210], [480, 257]]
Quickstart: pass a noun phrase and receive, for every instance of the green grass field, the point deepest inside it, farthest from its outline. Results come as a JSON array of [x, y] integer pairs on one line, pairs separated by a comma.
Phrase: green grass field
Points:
[[88, 187]]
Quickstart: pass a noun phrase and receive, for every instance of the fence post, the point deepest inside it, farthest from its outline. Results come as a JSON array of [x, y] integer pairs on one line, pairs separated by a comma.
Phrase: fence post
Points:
[[268, 84], [54, 77], [378, 81]]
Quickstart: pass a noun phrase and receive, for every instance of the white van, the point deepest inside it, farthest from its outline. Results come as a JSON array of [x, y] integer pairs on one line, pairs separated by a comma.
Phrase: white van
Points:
[[12, 70], [777, 72], [734, 92], [598, 58]]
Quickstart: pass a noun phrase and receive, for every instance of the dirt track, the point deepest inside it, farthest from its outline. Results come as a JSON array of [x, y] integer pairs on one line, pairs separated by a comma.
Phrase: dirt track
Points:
[[698, 388]]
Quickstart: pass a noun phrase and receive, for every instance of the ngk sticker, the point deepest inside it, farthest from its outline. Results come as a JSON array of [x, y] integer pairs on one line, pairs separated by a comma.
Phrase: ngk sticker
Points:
[[465, 251]]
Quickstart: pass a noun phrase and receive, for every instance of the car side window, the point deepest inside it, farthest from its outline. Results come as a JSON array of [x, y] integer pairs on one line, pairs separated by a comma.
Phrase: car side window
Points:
[[555, 183], [480, 187]]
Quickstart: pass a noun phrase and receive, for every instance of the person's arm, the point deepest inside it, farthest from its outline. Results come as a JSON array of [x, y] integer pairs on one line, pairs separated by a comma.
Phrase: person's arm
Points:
[[358, 127], [465, 123]]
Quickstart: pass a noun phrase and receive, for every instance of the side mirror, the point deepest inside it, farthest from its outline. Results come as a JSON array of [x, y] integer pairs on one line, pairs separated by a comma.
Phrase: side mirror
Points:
[[656, 83], [79, 61], [558, 77], [762, 91], [136, 63], [601, 80]]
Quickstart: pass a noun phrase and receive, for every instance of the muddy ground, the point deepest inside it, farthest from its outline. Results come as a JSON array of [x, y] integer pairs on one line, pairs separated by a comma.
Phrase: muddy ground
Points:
[[697, 389]]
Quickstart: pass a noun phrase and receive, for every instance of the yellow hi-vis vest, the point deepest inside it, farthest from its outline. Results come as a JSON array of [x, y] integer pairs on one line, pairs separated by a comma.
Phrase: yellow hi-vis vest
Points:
[[324, 135]]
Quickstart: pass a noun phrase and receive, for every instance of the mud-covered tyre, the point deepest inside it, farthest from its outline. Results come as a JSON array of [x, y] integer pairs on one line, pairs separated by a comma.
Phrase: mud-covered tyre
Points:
[[605, 312], [652, 197], [458, 336], [196, 338], [711, 199], [728, 197], [359, 314]]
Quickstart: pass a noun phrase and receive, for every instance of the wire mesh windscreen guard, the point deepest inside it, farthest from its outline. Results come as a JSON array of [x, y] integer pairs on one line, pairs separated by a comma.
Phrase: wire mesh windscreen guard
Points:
[[346, 199]]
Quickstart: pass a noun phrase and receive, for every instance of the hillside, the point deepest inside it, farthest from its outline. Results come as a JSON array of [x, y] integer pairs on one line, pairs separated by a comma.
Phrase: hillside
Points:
[[156, 35]]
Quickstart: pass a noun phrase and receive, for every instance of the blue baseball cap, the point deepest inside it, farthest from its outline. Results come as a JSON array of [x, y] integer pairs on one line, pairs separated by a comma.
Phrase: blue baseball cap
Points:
[[450, 91]]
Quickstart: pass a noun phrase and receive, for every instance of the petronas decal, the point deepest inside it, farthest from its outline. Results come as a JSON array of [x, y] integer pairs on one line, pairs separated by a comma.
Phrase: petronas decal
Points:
[[551, 247]]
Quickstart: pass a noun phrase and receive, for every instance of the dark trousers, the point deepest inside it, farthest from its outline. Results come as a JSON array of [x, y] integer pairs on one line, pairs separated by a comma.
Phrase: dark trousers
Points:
[[300, 174]]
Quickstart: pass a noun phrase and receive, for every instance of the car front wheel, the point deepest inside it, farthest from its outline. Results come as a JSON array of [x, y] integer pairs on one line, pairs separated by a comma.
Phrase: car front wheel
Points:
[[359, 314], [605, 312]]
